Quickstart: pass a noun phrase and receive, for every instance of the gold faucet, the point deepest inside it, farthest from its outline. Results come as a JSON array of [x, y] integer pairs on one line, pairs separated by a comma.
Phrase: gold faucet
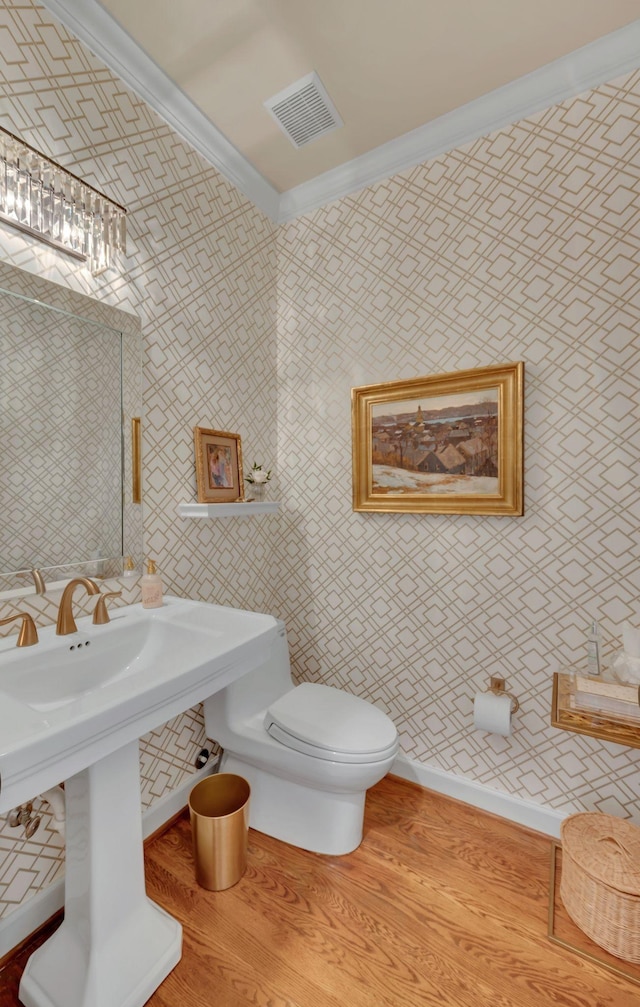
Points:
[[28, 634], [66, 623]]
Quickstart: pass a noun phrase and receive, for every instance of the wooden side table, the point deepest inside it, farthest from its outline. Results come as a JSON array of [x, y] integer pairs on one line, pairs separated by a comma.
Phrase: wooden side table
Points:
[[606, 726]]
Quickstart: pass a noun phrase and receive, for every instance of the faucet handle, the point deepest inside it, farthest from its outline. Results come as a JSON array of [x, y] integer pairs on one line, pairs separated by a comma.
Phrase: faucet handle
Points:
[[28, 634], [100, 613]]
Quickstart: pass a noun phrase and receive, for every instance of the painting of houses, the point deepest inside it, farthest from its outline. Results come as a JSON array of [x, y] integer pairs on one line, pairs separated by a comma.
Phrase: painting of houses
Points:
[[442, 444], [437, 444]]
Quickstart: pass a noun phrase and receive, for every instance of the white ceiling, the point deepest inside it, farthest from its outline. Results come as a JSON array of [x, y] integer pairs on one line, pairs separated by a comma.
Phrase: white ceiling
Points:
[[410, 78]]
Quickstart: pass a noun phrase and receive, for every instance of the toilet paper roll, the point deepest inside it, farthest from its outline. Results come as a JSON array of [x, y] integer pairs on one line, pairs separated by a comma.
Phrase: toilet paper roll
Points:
[[492, 713]]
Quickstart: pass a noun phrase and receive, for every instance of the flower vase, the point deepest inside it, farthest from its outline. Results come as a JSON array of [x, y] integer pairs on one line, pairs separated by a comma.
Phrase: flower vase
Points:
[[257, 491]]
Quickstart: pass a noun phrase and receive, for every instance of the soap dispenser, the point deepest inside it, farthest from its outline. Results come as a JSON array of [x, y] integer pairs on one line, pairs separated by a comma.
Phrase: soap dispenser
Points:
[[151, 585], [129, 568]]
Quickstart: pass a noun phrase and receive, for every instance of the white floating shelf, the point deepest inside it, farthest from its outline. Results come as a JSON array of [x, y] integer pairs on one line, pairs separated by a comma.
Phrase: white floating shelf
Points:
[[249, 509]]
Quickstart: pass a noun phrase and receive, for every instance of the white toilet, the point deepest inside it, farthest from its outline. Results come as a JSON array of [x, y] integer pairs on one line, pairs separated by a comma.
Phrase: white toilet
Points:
[[309, 752]]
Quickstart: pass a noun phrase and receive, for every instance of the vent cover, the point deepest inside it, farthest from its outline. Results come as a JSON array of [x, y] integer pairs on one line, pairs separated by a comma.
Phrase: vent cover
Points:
[[304, 111]]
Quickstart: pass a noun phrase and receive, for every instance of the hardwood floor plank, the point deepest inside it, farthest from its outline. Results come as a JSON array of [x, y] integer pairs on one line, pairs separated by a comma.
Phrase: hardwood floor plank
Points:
[[249, 919], [276, 925], [441, 906]]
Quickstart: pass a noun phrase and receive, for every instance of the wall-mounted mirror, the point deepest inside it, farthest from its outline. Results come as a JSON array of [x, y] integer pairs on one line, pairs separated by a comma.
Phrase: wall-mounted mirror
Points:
[[70, 384]]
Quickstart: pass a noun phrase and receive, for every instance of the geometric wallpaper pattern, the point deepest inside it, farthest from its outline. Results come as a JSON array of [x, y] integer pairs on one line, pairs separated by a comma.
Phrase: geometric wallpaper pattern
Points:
[[200, 276], [29, 865], [524, 245]]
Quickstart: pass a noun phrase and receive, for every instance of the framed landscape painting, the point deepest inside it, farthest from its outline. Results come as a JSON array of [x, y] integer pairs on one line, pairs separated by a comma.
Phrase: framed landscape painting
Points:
[[447, 444]]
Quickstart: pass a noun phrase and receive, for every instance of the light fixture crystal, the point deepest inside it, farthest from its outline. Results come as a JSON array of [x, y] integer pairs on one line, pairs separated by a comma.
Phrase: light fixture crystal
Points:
[[42, 198]]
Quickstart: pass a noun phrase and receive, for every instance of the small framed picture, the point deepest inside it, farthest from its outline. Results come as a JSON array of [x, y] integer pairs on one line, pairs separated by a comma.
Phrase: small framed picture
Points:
[[218, 466], [441, 444]]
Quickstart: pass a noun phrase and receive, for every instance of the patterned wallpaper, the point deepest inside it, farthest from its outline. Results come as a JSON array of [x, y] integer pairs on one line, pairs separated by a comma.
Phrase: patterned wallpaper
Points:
[[521, 246], [200, 275], [524, 245]]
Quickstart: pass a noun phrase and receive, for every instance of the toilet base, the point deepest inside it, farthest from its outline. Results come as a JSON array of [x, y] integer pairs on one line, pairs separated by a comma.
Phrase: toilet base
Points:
[[315, 820]]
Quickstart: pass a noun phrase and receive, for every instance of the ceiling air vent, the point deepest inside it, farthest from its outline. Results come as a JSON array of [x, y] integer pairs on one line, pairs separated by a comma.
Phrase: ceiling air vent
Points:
[[304, 111]]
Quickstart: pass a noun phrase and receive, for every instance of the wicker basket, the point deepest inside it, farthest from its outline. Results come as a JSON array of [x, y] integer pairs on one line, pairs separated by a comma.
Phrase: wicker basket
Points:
[[600, 885]]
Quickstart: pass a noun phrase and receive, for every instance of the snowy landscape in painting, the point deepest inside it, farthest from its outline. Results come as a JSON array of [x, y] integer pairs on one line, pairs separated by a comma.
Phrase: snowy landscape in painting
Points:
[[446, 444], [394, 481]]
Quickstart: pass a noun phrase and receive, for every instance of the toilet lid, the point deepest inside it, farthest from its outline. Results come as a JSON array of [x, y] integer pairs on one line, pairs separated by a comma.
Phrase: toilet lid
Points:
[[331, 724]]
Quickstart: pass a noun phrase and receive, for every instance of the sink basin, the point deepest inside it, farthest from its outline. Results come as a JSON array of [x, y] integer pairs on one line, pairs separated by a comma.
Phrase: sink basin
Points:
[[59, 674], [70, 700], [72, 708]]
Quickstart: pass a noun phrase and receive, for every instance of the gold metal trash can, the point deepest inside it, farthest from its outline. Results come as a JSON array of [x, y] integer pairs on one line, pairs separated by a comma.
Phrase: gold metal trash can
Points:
[[219, 811]]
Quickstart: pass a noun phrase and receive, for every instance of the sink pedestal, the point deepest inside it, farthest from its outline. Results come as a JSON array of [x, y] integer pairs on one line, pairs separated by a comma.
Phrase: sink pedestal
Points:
[[114, 946]]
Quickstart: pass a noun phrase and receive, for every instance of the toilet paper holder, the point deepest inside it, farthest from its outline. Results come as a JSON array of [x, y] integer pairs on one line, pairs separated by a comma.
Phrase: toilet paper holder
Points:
[[498, 688]]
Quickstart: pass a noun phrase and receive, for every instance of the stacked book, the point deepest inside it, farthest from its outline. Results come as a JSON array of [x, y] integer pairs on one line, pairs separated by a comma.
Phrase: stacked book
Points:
[[596, 695]]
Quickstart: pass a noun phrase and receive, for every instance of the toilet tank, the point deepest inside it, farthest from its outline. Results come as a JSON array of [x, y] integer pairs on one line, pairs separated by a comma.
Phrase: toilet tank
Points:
[[254, 691]]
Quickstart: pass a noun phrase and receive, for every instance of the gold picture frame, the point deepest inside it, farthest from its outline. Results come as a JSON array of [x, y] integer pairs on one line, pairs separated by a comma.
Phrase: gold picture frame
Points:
[[446, 444], [218, 466]]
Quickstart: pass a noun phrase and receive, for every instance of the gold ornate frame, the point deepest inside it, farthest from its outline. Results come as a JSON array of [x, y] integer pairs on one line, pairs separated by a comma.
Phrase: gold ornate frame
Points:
[[218, 456], [485, 476]]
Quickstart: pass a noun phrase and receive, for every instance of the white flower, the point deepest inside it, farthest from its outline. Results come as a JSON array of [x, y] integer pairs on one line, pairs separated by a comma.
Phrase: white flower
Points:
[[258, 475]]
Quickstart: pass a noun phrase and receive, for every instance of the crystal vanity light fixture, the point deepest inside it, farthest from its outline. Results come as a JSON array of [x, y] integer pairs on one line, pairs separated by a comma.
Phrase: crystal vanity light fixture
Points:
[[45, 200]]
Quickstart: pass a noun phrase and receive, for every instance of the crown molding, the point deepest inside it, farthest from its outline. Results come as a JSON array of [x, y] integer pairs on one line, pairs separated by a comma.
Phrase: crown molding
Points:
[[593, 64], [89, 22]]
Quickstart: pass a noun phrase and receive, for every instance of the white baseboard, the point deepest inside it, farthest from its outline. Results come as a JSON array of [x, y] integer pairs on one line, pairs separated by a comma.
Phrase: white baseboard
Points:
[[24, 920], [515, 809], [30, 915]]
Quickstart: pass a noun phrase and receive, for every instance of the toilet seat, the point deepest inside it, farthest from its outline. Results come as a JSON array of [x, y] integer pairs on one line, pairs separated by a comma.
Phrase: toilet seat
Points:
[[330, 724]]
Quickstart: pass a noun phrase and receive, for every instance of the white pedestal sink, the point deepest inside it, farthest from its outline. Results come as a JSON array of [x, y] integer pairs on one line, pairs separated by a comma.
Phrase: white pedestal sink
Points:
[[73, 708], [114, 946]]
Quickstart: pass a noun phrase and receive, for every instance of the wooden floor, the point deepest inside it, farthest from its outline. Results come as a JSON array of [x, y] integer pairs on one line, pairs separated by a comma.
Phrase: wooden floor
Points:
[[441, 904]]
